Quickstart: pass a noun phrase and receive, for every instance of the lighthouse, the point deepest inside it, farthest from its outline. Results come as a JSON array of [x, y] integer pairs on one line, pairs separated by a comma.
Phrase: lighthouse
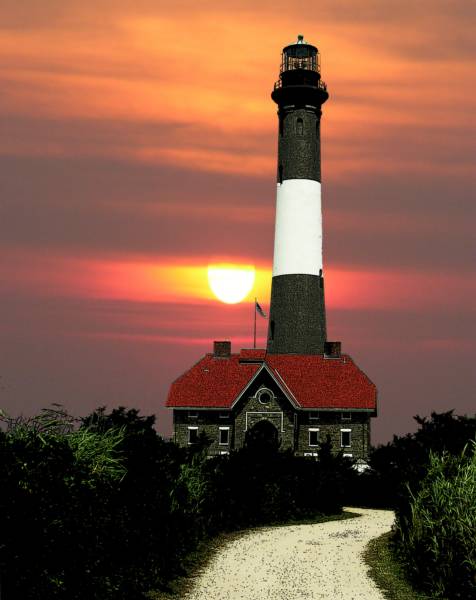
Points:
[[297, 321], [301, 390]]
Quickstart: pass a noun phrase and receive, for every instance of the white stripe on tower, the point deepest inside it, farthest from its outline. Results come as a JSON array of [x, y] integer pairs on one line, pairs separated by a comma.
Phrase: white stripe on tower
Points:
[[298, 230]]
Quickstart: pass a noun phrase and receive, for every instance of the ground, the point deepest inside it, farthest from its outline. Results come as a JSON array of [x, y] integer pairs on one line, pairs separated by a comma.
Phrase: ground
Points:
[[296, 562]]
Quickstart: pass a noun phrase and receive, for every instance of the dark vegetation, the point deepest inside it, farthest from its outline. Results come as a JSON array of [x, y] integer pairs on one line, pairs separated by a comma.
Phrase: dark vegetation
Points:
[[103, 507], [429, 479], [388, 572]]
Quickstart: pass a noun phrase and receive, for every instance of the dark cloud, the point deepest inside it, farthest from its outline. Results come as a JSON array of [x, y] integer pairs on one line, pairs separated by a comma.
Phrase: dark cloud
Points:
[[82, 206], [88, 205]]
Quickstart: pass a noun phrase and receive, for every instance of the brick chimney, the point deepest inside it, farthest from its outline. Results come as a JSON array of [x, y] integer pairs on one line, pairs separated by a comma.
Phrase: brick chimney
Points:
[[222, 349], [332, 349]]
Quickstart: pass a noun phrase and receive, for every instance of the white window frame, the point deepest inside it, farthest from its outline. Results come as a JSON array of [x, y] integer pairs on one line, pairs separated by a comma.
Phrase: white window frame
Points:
[[349, 431], [223, 415], [313, 430], [192, 415], [220, 443], [189, 429], [268, 392], [346, 416], [348, 455], [314, 416]]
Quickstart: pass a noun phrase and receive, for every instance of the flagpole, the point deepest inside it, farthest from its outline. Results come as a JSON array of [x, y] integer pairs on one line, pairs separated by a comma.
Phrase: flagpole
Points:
[[254, 337]]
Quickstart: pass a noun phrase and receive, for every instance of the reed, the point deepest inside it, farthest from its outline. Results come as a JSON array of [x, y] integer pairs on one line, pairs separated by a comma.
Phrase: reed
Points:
[[436, 535]]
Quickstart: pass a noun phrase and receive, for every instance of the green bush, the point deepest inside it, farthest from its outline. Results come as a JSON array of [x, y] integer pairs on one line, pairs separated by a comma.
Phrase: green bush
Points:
[[436, 535], [56, 484], [102, 508], [405, 460]]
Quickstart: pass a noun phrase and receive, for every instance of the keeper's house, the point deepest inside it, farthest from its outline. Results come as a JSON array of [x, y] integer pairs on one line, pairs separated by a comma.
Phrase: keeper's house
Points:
[[297, 400]]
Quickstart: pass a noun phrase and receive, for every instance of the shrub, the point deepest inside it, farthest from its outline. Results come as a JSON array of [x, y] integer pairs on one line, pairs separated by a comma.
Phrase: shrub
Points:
[[102, 508], [436, 536], [404, 461], [54, 508]]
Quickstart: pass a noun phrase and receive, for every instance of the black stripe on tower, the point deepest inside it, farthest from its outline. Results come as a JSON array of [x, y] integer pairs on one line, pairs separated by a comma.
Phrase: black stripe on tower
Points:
[[297, 322], [299, 145], [297, 318]]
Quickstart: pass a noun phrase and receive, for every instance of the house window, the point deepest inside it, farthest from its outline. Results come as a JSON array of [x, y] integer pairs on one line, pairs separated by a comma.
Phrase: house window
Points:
[[346, 416], [224, 436], [223, 416], [193, 415], [192, 435], [313, 437], [265, 396], [345, 438], [314, 416], [347, 455]]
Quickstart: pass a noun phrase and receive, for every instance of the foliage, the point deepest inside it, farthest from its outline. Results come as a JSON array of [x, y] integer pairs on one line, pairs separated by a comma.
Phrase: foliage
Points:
[[436, 537], [103, 508], [387, 570], [404, 461]]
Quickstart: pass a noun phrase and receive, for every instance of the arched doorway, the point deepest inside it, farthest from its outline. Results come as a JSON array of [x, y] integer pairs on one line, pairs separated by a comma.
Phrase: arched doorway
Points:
[[262, 436]]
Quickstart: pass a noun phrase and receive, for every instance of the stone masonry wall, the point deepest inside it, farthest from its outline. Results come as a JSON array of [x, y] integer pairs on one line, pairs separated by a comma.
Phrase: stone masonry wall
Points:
[[292, 425], [330, 424], [277, 411], [208, 422]]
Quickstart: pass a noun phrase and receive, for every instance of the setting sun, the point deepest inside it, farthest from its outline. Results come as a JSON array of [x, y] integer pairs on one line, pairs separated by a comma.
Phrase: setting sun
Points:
[[231, 283]]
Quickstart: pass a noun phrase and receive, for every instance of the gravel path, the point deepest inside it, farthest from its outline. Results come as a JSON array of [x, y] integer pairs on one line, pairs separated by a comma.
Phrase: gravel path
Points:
[[296, 562]]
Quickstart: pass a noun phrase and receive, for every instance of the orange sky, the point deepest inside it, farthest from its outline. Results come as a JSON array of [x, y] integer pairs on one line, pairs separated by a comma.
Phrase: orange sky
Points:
[[139, 146]]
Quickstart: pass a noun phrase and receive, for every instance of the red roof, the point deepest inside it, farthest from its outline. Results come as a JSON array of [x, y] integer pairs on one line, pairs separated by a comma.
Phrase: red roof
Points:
[[252, 354], [310, 381]]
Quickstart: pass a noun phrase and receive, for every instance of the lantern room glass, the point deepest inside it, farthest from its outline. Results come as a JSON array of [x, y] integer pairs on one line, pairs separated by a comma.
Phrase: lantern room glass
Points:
[[300, 56]]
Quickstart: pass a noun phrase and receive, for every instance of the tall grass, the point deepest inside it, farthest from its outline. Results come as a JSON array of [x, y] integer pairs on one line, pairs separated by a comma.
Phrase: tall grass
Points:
[[98, 453], [102, 508], [437, 532]]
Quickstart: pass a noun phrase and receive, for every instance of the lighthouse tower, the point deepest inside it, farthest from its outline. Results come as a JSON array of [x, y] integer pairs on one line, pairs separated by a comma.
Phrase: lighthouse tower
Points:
[[297, 321], [301, 390]]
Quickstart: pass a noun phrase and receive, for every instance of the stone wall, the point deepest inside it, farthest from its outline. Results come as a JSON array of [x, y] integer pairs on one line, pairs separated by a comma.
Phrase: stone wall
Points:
[[208, 422], [283, 417], [277, 411], [330, 424]]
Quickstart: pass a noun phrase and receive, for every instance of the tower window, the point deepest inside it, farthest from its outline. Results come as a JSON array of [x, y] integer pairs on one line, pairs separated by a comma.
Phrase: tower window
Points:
[[299, 127]]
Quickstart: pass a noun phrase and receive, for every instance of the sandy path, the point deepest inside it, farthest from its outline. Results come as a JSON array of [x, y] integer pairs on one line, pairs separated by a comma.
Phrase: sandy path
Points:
[[296, 562]]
